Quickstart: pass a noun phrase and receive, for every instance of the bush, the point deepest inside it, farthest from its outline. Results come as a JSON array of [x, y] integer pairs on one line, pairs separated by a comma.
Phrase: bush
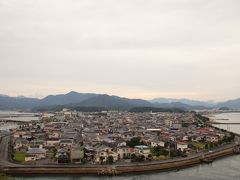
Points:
[[110, 160], [135, 141], [158, 151]]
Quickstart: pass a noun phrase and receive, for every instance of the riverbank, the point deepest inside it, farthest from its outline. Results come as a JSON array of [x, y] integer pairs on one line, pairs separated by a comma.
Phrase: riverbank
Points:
[[123, 169]]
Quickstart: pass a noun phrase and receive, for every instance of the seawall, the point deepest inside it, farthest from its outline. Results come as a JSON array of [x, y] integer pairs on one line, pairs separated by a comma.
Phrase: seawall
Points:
[[121, 169]]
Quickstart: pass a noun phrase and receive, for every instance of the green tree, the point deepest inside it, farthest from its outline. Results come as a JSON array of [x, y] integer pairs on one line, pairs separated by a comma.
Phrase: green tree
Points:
[[158, 151], [135, 141], [133, 157], [150, 157], [141, 158], [101, 159], [110, 159], [206, 146]]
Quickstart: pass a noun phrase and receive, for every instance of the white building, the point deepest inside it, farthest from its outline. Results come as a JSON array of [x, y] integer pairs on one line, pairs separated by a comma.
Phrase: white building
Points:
[[157, 143], [52, 142], [182, 145], [39, 153], [142, 150]]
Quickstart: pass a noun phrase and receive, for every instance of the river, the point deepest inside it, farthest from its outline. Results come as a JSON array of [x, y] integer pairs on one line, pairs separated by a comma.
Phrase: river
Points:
[[224, 169]]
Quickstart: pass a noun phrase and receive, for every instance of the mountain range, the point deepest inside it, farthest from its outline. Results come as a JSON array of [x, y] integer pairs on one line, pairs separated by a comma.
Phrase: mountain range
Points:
[[184, 101], [75, 99]]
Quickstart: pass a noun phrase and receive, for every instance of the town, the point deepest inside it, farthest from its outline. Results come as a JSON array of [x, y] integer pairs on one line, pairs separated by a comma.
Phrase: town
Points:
[[107, 137]]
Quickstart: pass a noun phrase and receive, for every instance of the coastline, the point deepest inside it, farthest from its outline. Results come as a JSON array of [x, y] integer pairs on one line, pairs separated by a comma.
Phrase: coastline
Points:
[[121, 169], [146, 167]]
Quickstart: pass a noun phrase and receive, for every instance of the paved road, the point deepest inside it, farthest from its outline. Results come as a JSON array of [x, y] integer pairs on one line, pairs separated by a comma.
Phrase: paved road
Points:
[[4, 162], [3, 148], [4, 152]]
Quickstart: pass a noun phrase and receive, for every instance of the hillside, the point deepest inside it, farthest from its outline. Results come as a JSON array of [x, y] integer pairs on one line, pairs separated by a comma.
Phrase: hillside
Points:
[[93, 101]]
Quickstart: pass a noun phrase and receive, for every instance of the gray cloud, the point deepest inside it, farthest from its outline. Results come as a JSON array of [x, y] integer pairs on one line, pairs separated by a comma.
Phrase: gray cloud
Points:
[[177, 48]]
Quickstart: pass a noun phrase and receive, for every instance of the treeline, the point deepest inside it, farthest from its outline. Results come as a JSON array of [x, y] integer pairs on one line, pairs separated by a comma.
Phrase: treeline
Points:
[[135, 141], [77, 108], [202, 118], [55, 108], [155, 109], [48, 108], [89, 109]]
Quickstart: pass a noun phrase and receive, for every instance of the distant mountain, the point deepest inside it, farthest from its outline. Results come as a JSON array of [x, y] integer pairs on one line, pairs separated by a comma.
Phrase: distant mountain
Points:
[[180, 105], [71, 99], [7, 102], [232, 104], [91, 101], [24, 103], [184, 101], [61, 99], [106, 102], [113, 102]]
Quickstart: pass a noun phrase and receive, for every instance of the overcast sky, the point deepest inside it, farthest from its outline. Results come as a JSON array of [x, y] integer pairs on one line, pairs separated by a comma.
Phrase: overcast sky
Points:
[[132, 48]]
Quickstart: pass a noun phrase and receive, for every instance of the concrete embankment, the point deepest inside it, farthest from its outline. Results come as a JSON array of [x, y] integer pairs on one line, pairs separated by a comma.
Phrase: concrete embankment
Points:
[[120, 169]]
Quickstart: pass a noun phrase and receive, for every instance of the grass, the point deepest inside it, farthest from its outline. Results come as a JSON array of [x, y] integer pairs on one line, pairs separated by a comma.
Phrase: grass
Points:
[[155, 158], [19, 156], [199, 145]]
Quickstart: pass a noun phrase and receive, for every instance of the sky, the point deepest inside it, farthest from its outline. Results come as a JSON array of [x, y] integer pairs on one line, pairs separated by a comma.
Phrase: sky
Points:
[[132, 48]]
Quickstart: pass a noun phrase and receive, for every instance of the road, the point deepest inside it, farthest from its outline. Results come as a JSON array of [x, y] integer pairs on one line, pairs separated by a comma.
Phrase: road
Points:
[[4, 152], [4, 162]]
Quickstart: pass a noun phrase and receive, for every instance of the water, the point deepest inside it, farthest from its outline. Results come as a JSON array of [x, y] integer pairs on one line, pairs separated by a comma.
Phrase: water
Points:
[[22, 118], [224, 169], [7, 113], [228, 118], [15, 116], [7, 126]]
